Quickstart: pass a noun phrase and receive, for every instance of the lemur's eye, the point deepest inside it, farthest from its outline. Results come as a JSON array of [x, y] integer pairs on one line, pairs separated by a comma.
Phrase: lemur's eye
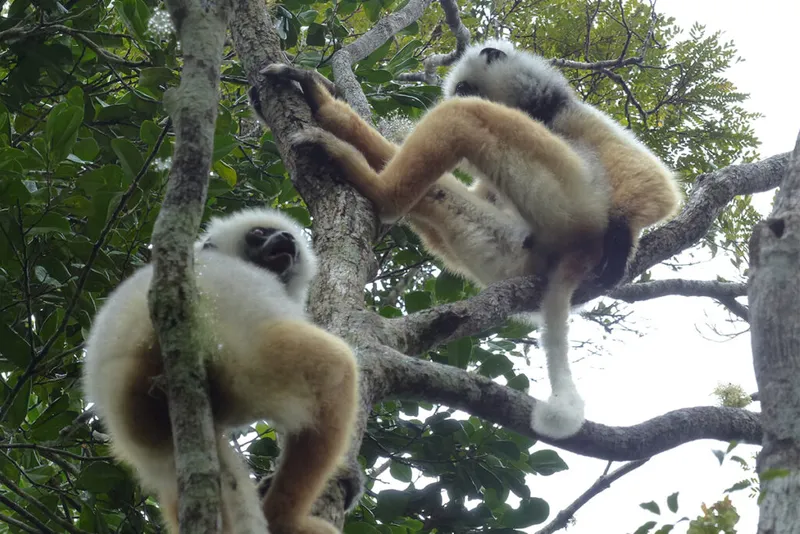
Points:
[[465, 89], [257, 235]]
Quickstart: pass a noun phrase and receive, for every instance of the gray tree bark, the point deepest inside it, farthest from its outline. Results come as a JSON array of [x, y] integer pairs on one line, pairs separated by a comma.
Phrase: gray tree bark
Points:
[[774, 297], [201, 28]]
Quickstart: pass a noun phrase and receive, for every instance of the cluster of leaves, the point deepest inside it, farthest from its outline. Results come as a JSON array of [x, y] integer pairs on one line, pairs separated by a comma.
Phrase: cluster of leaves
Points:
[[719, 518], [85, 146], [462, 459]]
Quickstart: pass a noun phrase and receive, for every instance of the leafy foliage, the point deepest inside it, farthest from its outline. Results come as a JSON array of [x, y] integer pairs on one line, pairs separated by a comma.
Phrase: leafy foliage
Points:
[[85, 148]]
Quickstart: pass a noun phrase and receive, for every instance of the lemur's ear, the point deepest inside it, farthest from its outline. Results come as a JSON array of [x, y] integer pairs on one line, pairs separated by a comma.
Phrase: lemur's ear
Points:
[[492, 54]]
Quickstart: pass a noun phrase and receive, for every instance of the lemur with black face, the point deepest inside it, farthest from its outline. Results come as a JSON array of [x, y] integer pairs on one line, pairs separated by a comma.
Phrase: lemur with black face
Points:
[[252, 271], [562, 194]]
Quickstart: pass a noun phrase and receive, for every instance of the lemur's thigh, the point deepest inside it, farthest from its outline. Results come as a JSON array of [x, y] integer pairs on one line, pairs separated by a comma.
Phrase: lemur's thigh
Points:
[[315, 374], [503, 144], [284, 371]]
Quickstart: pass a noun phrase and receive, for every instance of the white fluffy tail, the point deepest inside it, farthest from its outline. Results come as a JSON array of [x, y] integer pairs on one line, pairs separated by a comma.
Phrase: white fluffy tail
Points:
[[240, 502], [562, 415]]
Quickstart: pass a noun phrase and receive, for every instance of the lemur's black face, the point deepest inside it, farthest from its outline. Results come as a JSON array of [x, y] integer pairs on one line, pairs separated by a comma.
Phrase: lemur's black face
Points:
[[466, 89], [272, 249], [490, 55]]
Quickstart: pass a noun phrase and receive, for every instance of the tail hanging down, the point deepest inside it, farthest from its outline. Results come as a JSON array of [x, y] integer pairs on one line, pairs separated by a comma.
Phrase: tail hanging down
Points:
[[562, 415]]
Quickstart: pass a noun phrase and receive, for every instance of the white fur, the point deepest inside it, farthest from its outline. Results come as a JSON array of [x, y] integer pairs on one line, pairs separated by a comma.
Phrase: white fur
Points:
[[225, 233], [504, 81], [235, 297], [510, 81], [562, 415]]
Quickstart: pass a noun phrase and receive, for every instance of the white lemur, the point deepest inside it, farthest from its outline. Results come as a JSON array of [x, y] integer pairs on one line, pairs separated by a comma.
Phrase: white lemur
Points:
[[252, 270], [562, 193]]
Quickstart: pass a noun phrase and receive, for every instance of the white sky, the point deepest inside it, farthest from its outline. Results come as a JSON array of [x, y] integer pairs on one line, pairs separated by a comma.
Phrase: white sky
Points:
[[679, 360]]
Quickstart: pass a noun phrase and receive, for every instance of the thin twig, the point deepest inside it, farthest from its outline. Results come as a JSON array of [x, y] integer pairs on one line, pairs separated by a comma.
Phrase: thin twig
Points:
[[601, 484]]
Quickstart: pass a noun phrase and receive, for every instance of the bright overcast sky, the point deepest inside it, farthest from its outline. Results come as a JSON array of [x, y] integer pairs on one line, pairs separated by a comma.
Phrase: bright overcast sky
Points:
[[679, 359]]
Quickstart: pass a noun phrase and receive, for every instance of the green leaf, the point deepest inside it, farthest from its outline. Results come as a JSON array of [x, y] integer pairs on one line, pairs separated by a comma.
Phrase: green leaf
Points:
[[226, 172], [644, 529], [377, 55], [149, 132], [41, 473], [546, 462], [113, 113], [223, 144], [13, 192], [417, 300], [157, 77], [130, 158], [61, 130], [348, 6], [390, 311], [375, 75], [48, 223], [506, 449], [391, 504], [651, 506], [316, 35], [307, 17], [488, 479], [86, 149], [445, 427], [135, 14], [720, 455], [532, 511], [404, 59], [19, 407], [519, 382], [264, 447], [459, 352], [75, 97], [13, 347], [742, 484], [448, 287], [400, 471], [495, 365], [299, 214], [373, 9], [360, 527], [672, 502], [100, 477]]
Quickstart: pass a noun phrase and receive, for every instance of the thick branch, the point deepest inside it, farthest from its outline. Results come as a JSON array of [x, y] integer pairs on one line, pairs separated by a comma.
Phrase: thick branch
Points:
[[411, 378], [710, 195], [344, 222], [684, 288], [421, 331], [600, 485], [193, 106], [432, 62], [774, 296], [343, 60]]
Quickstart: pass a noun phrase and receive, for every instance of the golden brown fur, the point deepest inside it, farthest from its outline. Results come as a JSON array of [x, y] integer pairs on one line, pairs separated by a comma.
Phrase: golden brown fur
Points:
[[270, 363], [562, 190]]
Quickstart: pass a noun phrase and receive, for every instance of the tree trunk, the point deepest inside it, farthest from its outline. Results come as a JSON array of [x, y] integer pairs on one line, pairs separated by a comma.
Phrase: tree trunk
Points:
[[774, 298]]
